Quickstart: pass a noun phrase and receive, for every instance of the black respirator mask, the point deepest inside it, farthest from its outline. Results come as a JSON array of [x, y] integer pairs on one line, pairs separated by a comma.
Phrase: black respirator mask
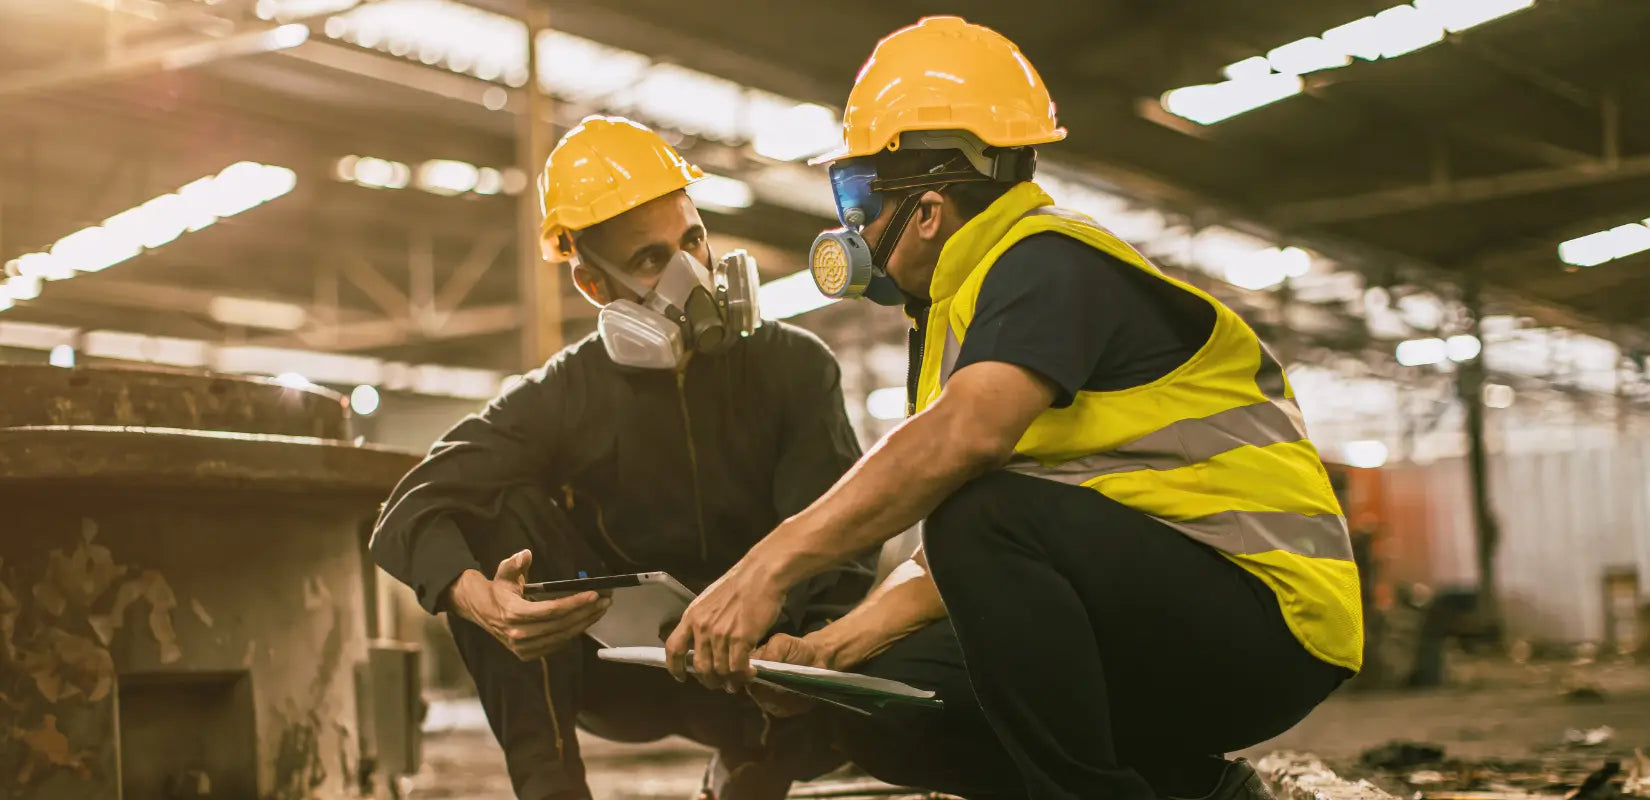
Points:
[[690, 308]]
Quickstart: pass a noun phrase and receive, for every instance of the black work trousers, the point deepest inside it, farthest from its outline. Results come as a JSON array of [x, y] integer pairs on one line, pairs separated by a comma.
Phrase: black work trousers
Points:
[[1106, 655], [533, 707]]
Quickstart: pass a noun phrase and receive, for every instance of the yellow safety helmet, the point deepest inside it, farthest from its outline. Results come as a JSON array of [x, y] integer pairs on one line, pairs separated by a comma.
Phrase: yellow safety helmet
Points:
[[602, 168], [945, 73]]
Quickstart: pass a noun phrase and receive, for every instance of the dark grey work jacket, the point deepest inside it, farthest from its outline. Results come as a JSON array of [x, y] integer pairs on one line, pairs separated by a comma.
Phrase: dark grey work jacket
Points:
[[657, 470]]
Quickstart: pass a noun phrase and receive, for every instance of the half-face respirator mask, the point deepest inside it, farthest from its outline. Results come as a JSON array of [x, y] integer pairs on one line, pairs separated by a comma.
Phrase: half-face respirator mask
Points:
[[690, 308], [843, 264]]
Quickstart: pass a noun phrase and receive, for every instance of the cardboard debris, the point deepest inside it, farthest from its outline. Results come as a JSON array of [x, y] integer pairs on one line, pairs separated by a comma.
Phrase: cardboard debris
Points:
[[1425, 777], [88, 529], [200, 612], [47, 747]]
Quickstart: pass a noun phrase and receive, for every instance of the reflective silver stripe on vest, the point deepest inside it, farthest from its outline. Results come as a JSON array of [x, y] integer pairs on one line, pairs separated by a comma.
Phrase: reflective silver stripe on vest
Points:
[[948, 359], [1181, 443], [1250, 532]]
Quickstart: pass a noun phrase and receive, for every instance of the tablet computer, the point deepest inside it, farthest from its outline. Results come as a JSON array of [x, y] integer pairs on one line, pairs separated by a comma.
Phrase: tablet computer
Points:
[[646, 606]]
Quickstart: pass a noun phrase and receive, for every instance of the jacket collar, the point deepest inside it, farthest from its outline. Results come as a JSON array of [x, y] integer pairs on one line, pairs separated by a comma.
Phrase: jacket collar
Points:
[[964, 251]]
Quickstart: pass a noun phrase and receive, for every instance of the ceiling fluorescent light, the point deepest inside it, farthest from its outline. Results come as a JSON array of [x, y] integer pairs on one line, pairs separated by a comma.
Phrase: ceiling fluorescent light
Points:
[[1306, 55], [718, 193], [1251, 67], [1422, 352], [1459, 15], [1597, 248], [1360, 38], [1405, 29], [239, 187], [791, 134], [1211, 103], [266, 314], [447, 178]]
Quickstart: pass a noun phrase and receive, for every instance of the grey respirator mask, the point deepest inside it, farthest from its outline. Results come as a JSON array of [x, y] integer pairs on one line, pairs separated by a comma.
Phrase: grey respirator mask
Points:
[[689, 309], [843, 264]]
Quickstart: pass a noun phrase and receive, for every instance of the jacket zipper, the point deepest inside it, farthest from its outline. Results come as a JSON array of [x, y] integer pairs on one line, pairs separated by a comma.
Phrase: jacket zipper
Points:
[[693, 462], [601, 523], [913, 364], [550, 703]]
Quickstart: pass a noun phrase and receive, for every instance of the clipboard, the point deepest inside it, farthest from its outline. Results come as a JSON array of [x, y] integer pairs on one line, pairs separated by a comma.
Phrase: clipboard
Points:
[[860, 693]]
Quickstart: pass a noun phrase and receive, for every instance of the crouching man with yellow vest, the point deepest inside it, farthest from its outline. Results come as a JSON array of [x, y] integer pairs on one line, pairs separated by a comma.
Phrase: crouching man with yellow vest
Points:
[[1125, 524]]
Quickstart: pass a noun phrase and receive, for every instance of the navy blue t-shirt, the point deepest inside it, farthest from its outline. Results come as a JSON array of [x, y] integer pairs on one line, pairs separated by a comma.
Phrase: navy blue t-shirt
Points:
[[1082, 319]]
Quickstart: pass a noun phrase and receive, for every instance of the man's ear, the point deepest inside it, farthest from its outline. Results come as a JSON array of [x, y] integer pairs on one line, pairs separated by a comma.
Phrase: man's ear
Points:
[[592, 284], [930, 216]]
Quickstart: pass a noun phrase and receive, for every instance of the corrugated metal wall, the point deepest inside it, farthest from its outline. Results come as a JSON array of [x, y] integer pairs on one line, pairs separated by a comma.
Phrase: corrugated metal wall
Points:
[[1566, 517]]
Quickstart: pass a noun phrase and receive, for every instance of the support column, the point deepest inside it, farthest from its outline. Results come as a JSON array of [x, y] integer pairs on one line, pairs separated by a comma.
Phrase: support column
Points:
[[539, 283], [1470, 382]]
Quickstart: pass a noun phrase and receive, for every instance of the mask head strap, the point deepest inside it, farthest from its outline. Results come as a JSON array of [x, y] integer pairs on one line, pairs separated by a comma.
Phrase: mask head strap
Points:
[[940, 177]]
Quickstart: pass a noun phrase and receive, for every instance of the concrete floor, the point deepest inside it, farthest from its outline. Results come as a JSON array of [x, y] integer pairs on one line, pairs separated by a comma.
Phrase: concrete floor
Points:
[[1494, 710]]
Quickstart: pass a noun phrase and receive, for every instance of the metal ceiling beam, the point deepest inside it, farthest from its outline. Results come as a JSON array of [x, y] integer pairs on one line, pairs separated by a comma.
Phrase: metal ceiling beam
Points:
[[376, 334], [154, 58], [147, 295], [1470, 190]]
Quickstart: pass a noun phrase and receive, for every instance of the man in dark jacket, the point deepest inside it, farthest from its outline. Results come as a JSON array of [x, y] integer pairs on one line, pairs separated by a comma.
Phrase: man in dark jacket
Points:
[[671, 440]]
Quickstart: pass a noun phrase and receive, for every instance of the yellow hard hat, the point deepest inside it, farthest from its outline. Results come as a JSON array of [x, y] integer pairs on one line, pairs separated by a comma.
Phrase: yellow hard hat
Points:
[[945, 73], [602, 168]]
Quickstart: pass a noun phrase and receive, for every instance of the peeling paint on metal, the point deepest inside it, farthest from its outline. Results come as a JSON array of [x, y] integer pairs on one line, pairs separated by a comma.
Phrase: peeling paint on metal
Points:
[[48, 748], [9, 609], [161, 602], [200, 612], [41, 666], [298, 762], [50, 599], [86, 668], [316, 593], [331, 654]]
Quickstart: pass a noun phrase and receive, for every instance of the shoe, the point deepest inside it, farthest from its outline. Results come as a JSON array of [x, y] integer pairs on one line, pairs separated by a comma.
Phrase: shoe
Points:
[[1239, 781], [752, 780]]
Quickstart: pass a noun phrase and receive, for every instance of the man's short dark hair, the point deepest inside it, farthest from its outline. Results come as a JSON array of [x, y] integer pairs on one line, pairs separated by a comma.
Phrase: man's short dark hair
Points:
[[970, 198]]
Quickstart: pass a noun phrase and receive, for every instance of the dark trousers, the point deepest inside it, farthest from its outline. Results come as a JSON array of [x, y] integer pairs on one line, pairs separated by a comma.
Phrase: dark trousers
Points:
[[533, 707], [1109, 655], [618, 702]]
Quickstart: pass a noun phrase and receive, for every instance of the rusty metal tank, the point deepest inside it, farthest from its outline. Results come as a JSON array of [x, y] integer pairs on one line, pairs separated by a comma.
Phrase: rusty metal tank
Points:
[[184, 587]]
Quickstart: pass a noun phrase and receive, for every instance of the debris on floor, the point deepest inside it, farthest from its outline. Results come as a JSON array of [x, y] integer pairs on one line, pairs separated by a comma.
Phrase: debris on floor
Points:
[[1599, 785], [1400, 755], [1592, 737], [1585, 694]]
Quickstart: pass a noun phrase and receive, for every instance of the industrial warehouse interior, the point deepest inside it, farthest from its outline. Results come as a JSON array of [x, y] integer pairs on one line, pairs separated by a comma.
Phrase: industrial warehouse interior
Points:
[[1302, 440]]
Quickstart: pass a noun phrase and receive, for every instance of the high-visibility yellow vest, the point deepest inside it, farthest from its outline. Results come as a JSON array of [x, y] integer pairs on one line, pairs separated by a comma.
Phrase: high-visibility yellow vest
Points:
[[1216, 449]]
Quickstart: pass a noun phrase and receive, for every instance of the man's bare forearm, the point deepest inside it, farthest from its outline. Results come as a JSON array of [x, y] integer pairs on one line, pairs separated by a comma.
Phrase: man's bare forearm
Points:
[[904, 603]]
